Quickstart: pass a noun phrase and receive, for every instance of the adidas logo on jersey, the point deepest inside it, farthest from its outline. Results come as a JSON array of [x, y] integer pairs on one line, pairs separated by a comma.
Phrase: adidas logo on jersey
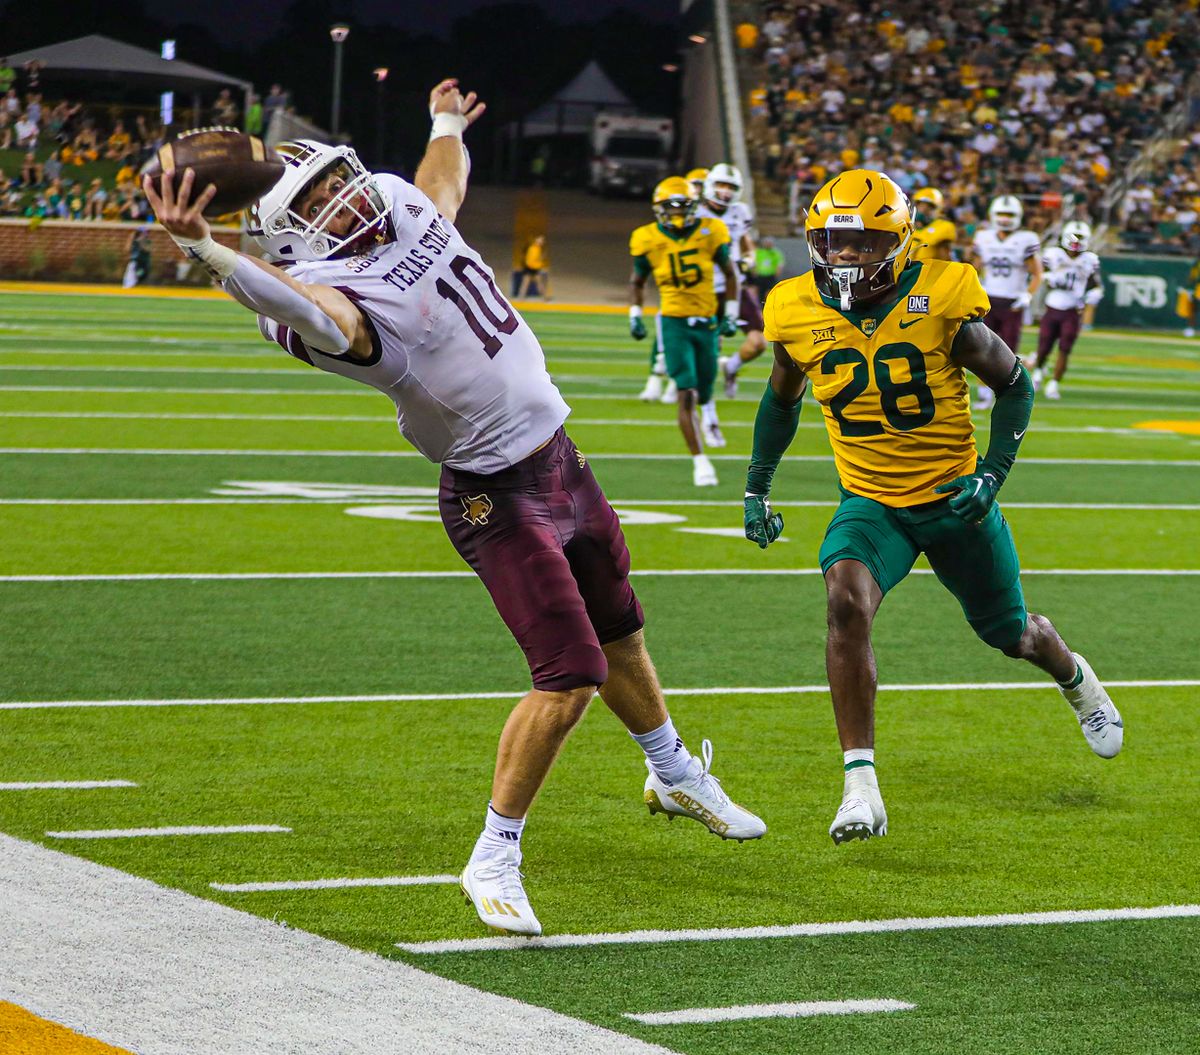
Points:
[[414, 210], [918, 305]]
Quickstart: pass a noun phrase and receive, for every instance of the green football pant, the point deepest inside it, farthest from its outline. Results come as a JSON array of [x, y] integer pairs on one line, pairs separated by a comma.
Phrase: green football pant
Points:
[[690, 349]]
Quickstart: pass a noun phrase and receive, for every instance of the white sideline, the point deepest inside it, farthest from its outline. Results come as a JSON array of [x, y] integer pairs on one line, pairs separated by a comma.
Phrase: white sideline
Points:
[[332, 884], [514, 694], [63, 785], [161, 972], [807, 1009], [1177, 463], [238, 576], [186, 829], [803, 930]]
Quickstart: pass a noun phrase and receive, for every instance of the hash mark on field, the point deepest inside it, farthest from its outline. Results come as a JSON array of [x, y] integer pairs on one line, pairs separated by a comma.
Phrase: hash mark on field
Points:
[[513, 694], [807, 1009], [333, 884], [188, 829], [64, 785], [804, 930]]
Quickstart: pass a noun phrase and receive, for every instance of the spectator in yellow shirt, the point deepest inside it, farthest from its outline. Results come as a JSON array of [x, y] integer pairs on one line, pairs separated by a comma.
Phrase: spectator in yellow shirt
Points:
[[537, 282], [118, 145]]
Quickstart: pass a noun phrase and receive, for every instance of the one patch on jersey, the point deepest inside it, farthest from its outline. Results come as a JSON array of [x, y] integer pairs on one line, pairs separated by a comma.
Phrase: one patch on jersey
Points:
[[414, 210], [826, 334], [918, 305]]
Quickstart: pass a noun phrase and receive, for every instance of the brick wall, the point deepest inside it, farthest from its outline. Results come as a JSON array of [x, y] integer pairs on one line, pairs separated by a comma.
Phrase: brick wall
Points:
[[83, 251]]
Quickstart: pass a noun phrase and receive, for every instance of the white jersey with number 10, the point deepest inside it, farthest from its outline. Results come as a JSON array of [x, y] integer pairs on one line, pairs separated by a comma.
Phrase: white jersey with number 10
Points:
[[465, 371]]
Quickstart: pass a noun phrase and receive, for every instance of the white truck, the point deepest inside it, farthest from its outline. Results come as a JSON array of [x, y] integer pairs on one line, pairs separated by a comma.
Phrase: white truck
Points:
[[629, 154]]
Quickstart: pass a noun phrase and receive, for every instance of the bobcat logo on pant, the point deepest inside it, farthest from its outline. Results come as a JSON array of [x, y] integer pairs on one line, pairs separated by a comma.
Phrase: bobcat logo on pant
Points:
[[476, 509]]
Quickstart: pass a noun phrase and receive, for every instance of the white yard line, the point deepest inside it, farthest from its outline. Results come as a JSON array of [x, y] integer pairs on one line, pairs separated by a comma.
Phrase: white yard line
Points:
[[333, 884], [593, 455], [693, 1016], [161, 972], [242, 576], [80, 368], [63, 785], [516, 693], [804, 930], [187, 829]]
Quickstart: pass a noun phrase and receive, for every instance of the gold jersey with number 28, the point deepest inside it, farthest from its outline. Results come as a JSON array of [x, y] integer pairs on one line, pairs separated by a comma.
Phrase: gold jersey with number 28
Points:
[[682, 264], [896, 404]]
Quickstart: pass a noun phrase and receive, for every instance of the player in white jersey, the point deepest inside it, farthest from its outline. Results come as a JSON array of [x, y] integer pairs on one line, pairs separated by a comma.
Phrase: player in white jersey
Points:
[[722, 198], [382, 289], [1008, 260], [1072, 275]]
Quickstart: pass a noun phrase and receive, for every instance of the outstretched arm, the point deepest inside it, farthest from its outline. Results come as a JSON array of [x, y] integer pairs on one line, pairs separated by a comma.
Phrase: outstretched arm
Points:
[[442, 174], [774, 429], [324, 318], [982, 352]]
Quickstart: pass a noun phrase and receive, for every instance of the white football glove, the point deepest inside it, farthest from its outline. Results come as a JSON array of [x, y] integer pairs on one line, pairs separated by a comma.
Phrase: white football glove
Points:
[[1022, 301], [1094, 295]]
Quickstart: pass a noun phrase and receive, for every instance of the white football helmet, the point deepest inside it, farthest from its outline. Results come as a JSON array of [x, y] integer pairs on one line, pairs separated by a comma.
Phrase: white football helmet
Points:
[[285, 235], [1076, 236], [1006, 212], [722, 198]]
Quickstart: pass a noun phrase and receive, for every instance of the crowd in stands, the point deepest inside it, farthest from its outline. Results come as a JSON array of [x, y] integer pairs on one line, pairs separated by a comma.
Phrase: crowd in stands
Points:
[[1045, 100], [61, 143], [1161, 212]]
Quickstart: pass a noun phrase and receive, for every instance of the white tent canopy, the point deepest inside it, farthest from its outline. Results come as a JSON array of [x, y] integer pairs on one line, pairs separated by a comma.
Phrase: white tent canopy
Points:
[[573, 107]]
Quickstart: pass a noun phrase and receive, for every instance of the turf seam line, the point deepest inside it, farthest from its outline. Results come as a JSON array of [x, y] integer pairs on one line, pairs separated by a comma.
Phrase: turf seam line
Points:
[[433, 697], [805, 930]]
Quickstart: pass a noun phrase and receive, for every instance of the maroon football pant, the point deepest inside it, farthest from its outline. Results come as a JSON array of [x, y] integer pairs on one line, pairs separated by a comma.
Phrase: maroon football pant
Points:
[[1061, 325], [1006, 321], [549, 548]]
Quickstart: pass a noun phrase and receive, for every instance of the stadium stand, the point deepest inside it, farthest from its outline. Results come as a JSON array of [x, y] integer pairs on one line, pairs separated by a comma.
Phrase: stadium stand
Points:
[[1052, 102]]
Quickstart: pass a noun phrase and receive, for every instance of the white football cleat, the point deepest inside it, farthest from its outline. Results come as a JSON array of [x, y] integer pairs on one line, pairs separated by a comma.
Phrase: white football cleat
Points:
[[493, 885], [701, 797], [653, 390], [1189, 332], [1098, 716], [1039, 375], [713, 436], [729, 378], [860, 816], [704, 473], [1052, 389], [671, 393], [984, 398]]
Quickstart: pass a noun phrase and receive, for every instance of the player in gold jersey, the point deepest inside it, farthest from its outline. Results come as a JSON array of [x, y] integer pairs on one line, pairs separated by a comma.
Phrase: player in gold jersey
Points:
[[885, 343], [681, 251], [933, 236]]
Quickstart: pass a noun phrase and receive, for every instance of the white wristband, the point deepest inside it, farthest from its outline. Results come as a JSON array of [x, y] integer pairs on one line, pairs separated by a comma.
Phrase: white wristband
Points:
[[448, 125], [635, 311], [219, 259], [731, 309]]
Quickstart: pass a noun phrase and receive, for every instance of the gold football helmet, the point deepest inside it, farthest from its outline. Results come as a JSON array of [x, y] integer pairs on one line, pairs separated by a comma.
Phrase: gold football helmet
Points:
[[927, 205], [674, 203], [859, 235], [696, 179]]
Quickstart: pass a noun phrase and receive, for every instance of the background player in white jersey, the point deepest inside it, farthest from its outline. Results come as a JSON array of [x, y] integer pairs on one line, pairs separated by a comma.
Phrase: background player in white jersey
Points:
[[383, 290], [722, 198], [1008, 260], [1072, 276]]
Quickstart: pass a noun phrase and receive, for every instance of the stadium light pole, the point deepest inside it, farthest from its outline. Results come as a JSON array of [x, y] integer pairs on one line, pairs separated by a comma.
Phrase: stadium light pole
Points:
[[338, 34], [381, 73]]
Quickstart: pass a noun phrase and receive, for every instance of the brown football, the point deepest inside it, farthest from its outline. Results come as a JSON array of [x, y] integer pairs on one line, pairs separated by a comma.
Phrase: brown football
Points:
[[239, 164]]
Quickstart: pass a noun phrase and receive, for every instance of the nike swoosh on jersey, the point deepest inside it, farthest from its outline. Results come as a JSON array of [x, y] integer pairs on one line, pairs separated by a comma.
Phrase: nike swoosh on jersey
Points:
[[906, 323]]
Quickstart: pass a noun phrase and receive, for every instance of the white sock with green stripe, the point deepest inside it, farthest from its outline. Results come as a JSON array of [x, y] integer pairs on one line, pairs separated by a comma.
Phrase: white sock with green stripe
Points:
[[859, 766]]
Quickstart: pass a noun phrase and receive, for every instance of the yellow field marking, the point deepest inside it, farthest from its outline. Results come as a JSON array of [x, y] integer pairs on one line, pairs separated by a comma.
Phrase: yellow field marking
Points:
[[22, 1032], [1156, 364], [98, 290], [1184, 428]]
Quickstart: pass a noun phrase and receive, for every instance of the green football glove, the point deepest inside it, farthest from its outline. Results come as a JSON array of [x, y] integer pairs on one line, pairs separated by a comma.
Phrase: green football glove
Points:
[[762, 526], [729, 327], [637, 328], [972, 496]]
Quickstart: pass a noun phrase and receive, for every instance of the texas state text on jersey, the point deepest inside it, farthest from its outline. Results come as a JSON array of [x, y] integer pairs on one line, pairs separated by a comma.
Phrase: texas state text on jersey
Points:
[[682, 264], [895, 402]]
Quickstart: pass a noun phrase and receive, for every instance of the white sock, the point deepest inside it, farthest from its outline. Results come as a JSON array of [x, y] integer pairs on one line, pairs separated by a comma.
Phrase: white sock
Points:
[[665, 751], [660, 365], [733, 364], [708, 413], [499, 834], [701, 459], [859, 767]]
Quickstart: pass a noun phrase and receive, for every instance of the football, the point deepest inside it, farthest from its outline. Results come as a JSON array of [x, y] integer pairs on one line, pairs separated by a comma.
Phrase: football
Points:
[[241, 166]]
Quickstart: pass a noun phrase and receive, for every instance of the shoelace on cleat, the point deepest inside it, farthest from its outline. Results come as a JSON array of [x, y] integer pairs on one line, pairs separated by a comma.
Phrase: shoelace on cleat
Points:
[[1096, 720], [704, 780], [507, 874]]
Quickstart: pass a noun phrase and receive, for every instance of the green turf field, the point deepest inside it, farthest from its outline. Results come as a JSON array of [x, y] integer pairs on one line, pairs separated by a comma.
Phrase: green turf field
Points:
[[170, 479]]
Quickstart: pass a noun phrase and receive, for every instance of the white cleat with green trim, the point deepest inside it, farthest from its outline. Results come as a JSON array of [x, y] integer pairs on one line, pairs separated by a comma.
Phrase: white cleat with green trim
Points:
[[860, 816], [1098, 716], [701, 797]]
